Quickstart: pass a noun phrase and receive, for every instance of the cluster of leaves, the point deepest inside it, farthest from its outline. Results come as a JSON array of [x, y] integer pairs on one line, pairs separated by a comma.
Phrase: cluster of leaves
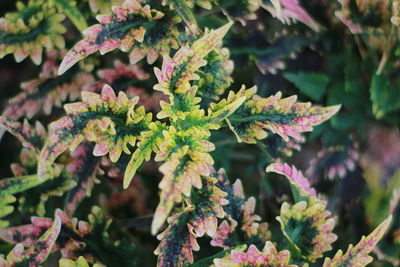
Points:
[[126, 121]]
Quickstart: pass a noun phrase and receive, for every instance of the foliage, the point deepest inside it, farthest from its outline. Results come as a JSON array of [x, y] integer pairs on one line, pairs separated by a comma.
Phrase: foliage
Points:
[[123, 161]]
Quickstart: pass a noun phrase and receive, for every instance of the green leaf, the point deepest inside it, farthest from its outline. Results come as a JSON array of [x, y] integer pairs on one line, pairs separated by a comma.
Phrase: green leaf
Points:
[[69, 8], [384, 96], [312, 85]]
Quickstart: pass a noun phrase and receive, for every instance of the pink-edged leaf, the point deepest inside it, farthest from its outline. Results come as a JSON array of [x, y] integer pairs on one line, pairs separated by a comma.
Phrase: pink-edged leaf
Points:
[[308, 228], [177, 241], [208, 202], [283, 116], [182, 171], [291, 10], [38, 252], [109, 120], [358, 256], [269, 256], [300, 184], [176, 74], [48, 90], [26, 32], [84, 168], [31, 137], [242, 220], [126, 25]]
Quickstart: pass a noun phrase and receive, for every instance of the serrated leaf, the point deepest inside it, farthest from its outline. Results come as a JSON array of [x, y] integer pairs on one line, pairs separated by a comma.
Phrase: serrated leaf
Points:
[[48, 90], [149, 140], [269, 256], [83, 168], [120, 30], [73, 13], [110, 121], [312, 85], [282, 116], [308, 228], [40, 249], [176, 73], [31, 137], [182, 170], [358, 256], [177, 242], [33, 27]]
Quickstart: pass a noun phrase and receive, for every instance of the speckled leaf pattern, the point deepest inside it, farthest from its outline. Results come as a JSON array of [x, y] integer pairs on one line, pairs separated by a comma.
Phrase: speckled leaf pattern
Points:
[[120, 30], [76, 235], [182, 170], [38, 251], [30, 29], [283, 116], [177, 241], [208, 203], [110, 121], [30, 137], [84, 168], [198, 218], [357, 256], [241, 219]]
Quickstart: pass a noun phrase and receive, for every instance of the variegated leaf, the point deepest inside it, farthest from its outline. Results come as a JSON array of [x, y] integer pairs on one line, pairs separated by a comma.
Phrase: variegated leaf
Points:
[[31, 137], [110, 121], [182, 170], [120, 30], [301, 187], [177, 241], [38, 252], [308, 227], [269, 256], [84, 168], [30, 29], [149, 141], [358, 256], [284, 117], [176, 73]]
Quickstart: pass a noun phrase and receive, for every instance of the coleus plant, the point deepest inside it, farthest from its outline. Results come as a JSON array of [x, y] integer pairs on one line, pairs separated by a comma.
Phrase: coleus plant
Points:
[[121, 123]]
